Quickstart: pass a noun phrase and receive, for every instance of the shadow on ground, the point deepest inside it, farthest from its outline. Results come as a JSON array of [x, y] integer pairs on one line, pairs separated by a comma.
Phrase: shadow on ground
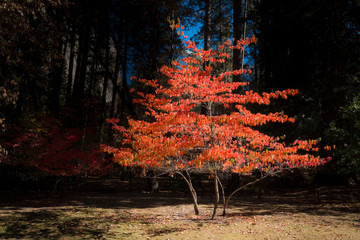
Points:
[[91, 214]]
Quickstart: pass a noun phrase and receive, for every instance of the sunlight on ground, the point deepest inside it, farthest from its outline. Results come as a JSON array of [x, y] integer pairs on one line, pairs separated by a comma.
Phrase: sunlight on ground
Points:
[[127, 218]]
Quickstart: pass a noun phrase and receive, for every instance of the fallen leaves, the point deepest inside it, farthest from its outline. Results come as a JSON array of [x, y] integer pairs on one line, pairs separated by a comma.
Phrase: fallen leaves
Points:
[[249, 220]]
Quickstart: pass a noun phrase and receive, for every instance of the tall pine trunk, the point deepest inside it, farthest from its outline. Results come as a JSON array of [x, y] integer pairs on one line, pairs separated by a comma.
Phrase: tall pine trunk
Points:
[[80, 78], [104, 91], [207, 40], [125, 97], [237, 28], [81, 75], [116, 90], [207, 26], [71, 67], [57, 63]]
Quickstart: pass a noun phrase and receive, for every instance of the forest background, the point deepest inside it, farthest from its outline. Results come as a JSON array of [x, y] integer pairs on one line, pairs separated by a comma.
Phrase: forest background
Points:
[[65, 67]]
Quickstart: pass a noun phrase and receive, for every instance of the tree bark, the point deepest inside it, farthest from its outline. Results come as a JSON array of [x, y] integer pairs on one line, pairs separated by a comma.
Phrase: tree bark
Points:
[[207, 26], [55, 80], [80, 78], [207, 39], [77, 69], [125, 97], [222, 191], [237, 36], [115, 95], [217, 197], [221, 26], [104, 92], [244, 35], [192, 190], [83, 67], [71, 67]]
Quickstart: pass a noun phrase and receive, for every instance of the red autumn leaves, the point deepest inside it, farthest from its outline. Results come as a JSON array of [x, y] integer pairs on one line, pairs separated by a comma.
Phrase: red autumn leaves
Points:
[[180, 135]]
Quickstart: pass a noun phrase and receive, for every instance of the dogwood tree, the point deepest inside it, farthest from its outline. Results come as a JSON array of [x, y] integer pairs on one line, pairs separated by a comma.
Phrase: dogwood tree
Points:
[[181, 138]]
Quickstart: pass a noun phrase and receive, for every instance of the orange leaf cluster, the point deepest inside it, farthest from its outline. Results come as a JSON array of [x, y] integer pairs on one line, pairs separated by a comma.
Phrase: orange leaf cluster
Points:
[[182, 137]]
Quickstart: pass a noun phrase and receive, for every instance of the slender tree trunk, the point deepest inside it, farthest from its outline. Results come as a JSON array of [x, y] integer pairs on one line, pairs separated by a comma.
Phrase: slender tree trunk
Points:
[[217, 196], [172, 38], [55, 81], [81, 68], [256, 65], [81, 74], [244, 35], [104, 92], [207, 27], [237, 36], [115, 95], [242, 187], [84, 129], [124, 62], [77, 69], [222, 191], [92, 83], [125, 97], [207, 39], [71, 67], [192, 190], [221, 26], [154, 48]]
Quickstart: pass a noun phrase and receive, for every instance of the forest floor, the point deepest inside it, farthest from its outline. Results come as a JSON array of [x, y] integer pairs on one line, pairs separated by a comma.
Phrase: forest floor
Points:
[[333, 214]]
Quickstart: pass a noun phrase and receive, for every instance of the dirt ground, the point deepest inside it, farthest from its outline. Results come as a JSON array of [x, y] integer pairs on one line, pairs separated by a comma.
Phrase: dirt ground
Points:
[[334, 213]]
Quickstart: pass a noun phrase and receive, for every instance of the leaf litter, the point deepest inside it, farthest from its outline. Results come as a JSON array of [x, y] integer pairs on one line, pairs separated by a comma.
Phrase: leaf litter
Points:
[[246, 219]]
